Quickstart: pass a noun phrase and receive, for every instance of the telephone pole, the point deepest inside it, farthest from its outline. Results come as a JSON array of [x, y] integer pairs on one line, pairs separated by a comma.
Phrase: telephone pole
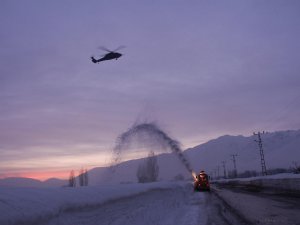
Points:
[[215, 172], [234, 164], [261, 151], [224, 167], [218, 171]]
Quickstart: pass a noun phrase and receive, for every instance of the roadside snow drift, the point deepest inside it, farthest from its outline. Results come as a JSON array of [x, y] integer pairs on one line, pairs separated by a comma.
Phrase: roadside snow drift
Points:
[[33, 205]]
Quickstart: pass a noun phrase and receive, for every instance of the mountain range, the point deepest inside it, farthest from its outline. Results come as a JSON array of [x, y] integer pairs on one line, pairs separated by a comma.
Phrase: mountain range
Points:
[[281, 150]]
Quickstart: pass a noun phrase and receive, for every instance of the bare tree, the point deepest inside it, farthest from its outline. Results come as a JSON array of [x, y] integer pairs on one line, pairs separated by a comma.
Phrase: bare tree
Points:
[[86, 178], [83, 177], [148, 171], [72, 180], [141, 173], [296, 167]]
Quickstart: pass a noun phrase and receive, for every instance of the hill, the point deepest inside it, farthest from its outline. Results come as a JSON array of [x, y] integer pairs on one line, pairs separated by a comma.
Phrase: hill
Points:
[[281, 149], [29, 182]]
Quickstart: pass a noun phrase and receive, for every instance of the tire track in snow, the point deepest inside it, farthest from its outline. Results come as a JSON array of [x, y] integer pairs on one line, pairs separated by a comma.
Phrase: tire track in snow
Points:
[[157, 207]]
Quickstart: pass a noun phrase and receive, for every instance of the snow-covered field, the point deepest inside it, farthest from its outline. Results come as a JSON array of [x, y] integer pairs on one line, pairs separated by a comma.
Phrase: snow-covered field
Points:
[[34, 204], [154, 203], [160, 203]]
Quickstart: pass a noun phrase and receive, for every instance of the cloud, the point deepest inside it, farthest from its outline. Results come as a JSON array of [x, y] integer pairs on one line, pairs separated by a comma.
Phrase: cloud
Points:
[[201, 70]]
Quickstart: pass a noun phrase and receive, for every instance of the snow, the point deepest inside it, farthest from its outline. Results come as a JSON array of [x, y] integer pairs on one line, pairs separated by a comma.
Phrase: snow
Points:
[[280, 148], [152, 203], [271, 200], [262, 209], [156, 207], [29, 182], [274, 177], [29, 203], [285, 182], [160, 203]]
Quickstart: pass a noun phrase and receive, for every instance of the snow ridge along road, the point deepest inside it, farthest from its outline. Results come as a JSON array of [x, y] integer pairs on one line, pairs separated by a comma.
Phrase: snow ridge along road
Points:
[[173, 206], [159, 203]]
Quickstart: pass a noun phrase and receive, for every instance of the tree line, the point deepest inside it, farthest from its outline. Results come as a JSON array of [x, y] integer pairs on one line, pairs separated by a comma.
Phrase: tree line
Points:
[[83, 178]]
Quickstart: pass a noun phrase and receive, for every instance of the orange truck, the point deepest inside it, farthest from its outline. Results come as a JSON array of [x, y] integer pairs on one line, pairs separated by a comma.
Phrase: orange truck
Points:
[[201, 182]]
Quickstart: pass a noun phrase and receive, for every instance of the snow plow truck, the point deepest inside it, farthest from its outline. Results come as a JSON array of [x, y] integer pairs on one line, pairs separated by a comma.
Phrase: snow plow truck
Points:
[[201, 182]]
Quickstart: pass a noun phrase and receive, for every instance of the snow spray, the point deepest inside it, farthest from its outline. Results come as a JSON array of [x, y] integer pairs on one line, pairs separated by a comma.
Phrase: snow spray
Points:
[[156, 135]]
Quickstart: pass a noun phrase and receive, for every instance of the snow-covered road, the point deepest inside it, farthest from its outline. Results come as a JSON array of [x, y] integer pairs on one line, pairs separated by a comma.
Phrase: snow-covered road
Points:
[[161, 206], [155, 203], [162, 203], [265, 208]]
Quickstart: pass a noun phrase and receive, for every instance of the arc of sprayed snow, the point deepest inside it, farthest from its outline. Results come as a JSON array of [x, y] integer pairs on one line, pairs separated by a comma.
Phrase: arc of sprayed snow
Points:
[[153, 130]]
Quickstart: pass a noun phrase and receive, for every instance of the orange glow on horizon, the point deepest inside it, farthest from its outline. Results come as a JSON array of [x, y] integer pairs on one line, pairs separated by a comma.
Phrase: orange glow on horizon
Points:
[[42, 175]]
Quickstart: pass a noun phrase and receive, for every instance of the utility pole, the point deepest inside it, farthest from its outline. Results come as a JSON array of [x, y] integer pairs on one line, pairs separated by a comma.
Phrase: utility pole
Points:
[[261, 151], [224, 167], [218, 171], [234, 164]]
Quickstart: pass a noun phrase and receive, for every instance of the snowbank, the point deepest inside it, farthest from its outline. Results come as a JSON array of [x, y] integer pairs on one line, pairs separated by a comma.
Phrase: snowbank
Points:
[[286, 182], [28, 205], [276, 176], [254, 209]]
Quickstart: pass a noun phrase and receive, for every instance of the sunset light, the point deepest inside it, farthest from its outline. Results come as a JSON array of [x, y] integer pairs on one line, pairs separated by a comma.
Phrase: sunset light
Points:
[[149, 112]]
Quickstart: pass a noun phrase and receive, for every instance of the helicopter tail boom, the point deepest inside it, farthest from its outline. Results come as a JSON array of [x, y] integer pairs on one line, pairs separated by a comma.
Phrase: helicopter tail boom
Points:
[[96, 60]]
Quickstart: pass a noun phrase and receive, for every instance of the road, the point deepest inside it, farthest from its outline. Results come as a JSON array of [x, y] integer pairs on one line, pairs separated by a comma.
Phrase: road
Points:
[[260, 207], [182, 206], [179, 206]]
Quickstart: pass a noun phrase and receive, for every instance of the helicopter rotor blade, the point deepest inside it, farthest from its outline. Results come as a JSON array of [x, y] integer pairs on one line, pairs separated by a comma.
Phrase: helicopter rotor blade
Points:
[[104, 49], [120, 47]]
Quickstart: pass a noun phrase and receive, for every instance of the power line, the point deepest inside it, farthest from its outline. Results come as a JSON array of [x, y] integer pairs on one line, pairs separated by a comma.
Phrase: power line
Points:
[[234, 163], [224, 167], [215, 172], [280, 115], [261, 151]]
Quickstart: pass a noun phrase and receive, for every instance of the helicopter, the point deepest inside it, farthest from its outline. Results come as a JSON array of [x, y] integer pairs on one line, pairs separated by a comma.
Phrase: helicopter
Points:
[[108, 56]]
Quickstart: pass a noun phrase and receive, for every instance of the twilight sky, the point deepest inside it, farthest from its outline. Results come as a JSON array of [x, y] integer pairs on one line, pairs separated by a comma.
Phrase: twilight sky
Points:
[[199, 68]]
